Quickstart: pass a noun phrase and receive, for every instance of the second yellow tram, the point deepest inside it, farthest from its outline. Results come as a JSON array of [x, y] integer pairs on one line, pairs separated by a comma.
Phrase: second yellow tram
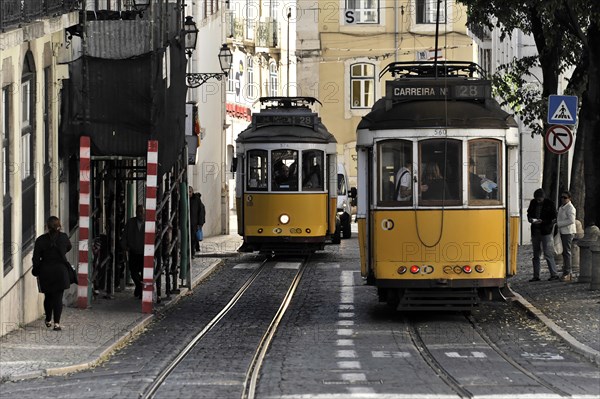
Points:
[[286, 185]]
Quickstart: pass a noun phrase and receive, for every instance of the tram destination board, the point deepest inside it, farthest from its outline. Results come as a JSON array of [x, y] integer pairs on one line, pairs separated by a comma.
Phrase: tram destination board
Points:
[[438, 90], [285, 120]]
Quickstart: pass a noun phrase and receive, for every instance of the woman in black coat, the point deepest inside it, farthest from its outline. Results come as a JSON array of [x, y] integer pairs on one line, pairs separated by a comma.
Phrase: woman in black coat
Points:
[[50, 266]]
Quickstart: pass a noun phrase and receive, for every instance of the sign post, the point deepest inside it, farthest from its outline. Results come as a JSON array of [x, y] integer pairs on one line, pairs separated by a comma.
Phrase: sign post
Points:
[[558, 140]]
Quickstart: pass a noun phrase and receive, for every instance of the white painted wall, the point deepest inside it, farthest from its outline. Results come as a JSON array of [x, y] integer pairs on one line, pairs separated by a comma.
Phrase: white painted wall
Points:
[[207, 176]]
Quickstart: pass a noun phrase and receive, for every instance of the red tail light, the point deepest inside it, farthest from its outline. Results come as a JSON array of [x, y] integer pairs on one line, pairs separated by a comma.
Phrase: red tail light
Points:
[[467, 269], [414, 269]]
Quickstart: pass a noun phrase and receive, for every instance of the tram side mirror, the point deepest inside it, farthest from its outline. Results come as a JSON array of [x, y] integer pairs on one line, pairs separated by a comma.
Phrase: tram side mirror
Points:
[[233, 165]]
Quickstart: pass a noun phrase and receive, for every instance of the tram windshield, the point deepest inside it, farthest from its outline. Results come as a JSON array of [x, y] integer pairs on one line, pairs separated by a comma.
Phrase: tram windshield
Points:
[[257, 170], [484, 171], [441, 172], [284, 173], [312, 170]]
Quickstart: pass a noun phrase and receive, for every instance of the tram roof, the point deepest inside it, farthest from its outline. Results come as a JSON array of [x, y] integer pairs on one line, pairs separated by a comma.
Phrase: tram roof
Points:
[[404, 114], [286, 125]]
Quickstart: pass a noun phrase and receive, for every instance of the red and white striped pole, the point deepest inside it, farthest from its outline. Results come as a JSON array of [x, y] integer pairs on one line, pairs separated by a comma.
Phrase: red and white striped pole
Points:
[[84, 222], [149, 237]]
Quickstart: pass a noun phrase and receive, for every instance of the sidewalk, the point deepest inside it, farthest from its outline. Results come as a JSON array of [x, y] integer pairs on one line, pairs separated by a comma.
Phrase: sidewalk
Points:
[[90, 335], [570, 309]]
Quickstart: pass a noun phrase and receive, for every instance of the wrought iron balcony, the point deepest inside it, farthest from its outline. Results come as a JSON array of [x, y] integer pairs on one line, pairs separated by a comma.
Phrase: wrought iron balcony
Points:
[[15, 12], [267, 33], [481, 32]]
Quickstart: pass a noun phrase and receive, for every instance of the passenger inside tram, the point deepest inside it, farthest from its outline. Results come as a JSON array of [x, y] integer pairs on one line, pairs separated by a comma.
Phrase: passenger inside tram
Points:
[[434, 185]]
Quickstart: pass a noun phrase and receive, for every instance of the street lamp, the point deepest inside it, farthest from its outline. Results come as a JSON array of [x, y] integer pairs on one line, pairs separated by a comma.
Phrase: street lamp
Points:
[[190, 34], [225, 56]]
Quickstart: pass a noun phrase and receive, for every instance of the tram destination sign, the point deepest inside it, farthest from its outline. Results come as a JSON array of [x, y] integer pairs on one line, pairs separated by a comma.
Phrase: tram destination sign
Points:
[[438, 89], [306, 120]]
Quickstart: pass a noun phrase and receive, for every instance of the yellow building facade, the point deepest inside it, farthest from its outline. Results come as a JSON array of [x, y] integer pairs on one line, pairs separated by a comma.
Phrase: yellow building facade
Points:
[[342, 46], [33, 50]]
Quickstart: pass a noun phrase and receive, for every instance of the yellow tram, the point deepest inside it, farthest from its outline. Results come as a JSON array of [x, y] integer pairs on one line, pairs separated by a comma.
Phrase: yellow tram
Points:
[[286, 190], [438, 211]]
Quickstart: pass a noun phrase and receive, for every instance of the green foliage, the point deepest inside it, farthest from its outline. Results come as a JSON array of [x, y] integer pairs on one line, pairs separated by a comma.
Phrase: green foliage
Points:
[[515, 85]]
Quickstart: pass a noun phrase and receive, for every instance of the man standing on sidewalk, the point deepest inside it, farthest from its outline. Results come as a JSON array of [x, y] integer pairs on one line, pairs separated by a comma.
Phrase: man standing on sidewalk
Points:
[[542, 216], [133, 243]]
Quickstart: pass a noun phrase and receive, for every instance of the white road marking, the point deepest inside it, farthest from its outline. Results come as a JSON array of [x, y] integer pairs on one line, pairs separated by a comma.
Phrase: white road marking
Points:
[[542, 356], [345, 323], [346, 307], [476, 355], [246, 266], [346, 353], [323, 265], [349, 365], [361, 390], [354, 377], [344, 342], [345, 314], [345, 331], [287, 265], [388, 354]]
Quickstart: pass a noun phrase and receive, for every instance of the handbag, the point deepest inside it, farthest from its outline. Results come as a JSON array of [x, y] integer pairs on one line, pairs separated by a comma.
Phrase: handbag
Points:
[[71, 272], [199, 235], [558, 247]]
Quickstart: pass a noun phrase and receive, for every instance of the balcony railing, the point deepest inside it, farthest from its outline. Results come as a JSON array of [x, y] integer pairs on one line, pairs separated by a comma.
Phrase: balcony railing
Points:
[[267, 33], [480, 31], [15, 12]]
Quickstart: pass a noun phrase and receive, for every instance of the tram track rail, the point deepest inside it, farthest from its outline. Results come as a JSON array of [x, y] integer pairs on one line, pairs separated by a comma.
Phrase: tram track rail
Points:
[[512, 361], [447, 377], [252, 374]]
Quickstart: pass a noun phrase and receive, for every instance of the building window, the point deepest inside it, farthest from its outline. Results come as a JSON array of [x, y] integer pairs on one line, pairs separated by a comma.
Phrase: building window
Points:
[[365, 11], [427, 11], [273, 80], [362, 85], [27, 149], [7, 171], [231, 82], [250, 89]]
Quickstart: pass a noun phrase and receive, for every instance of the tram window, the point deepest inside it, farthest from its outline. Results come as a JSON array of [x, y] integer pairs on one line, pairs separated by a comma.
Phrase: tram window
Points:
[[257, 170], [284, 175], [440, 173], [484, 171], [312, 170], [395, 173]]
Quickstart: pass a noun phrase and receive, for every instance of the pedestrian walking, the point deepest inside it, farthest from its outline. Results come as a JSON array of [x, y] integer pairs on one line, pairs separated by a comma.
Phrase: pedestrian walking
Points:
[[567, 230], [133, 242], [542, 216], [197, 219], [50, 267]]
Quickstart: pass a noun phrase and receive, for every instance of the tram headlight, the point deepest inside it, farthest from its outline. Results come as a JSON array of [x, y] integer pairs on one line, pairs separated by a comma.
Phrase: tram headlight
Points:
[[284, 218]]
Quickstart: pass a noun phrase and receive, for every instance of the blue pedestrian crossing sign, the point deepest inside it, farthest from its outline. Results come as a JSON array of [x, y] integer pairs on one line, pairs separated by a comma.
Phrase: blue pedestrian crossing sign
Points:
[[562, 110]]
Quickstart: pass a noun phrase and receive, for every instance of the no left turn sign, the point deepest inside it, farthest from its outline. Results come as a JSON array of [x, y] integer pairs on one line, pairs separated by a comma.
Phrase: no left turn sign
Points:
[[559, 139]]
